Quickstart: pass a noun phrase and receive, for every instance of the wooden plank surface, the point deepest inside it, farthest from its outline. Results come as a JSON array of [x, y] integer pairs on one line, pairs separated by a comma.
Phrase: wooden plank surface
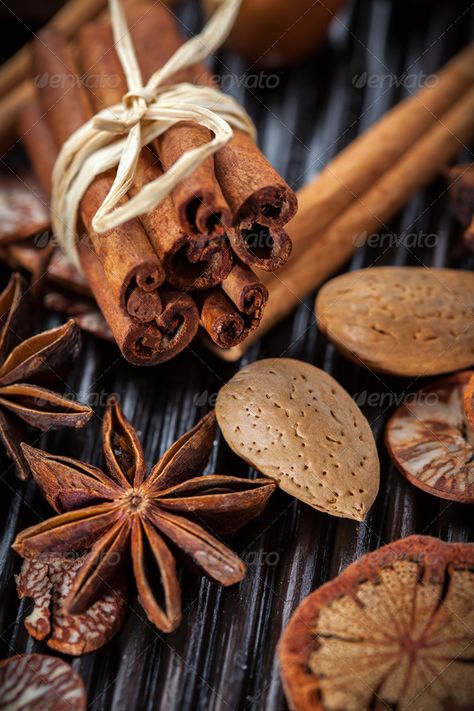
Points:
[[223, 656]]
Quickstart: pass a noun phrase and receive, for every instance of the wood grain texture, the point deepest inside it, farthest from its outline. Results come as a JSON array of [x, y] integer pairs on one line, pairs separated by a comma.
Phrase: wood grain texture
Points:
[[222, 657]]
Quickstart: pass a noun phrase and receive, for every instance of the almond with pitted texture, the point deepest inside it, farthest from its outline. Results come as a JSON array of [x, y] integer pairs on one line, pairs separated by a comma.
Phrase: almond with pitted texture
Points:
[[37, 682], [296, 424], [405, 321], [431, 439], [394, 631]]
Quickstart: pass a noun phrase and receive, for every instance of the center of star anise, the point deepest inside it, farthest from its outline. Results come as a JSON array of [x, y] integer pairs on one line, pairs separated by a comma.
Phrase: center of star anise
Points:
[[135, 501]]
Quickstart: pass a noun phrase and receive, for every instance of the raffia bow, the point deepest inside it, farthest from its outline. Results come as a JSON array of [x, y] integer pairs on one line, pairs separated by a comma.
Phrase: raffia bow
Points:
[[116, 135]]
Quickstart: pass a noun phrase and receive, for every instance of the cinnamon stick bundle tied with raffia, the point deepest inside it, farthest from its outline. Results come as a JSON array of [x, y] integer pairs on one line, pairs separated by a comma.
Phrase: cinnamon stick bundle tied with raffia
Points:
[[187, 235], [227, 319]]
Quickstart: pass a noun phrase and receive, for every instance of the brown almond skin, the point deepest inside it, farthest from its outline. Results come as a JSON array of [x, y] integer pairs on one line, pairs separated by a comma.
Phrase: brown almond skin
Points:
[[437, 560], [404, 321], [296, 424]]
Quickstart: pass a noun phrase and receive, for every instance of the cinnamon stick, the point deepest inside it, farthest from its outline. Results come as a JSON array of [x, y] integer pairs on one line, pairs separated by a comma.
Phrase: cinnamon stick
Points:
[[229, 314], [369, 156], [246, 291], [256, 194], [149, 343], [190, 261], [220, 319], [65, 104], [261, 246], [328, 252]]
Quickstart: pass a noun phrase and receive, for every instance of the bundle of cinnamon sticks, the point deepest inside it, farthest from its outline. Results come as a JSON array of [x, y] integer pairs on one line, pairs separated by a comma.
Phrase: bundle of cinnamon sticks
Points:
[[187, 263]]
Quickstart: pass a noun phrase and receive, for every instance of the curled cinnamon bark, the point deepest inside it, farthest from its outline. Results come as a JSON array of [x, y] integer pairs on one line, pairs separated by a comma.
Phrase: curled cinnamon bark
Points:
[[190, 262], [194, 253], [246, 290], [230, 314], [143, 343], [263, 246], [66, 107], [220, 319]]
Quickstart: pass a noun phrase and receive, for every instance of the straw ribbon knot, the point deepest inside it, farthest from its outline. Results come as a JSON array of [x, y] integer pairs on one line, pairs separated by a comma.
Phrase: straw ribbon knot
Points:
[[115, 136]]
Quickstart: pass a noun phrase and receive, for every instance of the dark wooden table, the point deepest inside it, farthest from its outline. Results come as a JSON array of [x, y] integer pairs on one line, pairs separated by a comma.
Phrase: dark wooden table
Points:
[[223, 655]]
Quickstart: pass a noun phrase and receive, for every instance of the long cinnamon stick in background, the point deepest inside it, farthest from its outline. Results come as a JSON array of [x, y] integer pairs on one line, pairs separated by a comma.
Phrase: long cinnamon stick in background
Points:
[[190, 261], [369, 156], [328, 252], [259, 198], [66, 108]]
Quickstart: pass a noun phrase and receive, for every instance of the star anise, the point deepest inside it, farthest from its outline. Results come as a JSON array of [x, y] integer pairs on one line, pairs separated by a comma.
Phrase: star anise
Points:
[[25, 367], [125, 511]]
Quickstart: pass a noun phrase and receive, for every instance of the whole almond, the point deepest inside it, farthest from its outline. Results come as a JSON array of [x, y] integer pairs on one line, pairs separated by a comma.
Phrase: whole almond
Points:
[[296, 424], [405, 321]]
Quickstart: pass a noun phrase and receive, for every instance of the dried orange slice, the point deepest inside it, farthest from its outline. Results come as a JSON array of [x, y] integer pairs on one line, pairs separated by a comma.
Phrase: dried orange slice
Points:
[[394, 630]]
